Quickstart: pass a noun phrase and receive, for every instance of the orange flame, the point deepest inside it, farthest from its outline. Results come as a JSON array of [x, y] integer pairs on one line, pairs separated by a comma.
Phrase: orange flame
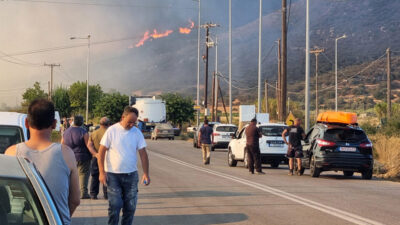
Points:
[[187, 30], [154, 35]]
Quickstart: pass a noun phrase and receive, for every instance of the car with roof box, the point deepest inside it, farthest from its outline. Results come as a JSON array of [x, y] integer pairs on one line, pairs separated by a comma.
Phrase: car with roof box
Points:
[[336, 143]]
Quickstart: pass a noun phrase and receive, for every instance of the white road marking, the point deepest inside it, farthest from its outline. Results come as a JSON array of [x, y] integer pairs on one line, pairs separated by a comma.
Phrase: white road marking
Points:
[[350, 217]]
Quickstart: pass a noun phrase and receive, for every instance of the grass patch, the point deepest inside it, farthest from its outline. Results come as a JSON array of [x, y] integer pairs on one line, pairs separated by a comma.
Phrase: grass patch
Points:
[[387, 153]]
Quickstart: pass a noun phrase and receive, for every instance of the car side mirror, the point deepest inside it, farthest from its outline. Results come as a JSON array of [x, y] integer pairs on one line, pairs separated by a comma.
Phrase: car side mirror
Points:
[[194, 128]]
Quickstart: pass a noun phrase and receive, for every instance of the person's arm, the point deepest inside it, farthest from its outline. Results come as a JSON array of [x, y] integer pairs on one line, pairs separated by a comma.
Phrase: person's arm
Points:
[[303, 135], [12, 150], [145, 165], [198, 138], [259, 133], [89, 145], [62, 141], [74, 192], [100, 161], [284, 136]]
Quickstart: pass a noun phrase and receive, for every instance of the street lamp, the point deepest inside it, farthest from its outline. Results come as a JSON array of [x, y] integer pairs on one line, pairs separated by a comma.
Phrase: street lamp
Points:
[[87, 73], [336, 80]]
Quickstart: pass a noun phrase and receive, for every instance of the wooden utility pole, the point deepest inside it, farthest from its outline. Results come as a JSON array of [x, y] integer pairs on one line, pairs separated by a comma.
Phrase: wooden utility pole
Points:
[[283, 85], [389, 86], [316, 52], [213, 98], [277, 96], [278, 84], [266, 96], [51, 79]]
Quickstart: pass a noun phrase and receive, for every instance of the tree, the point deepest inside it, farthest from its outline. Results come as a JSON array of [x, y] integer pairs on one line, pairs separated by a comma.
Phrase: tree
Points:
[[77, 96], [31, 94], [61, 101], [179, 108], [111, 105], [380, 109]]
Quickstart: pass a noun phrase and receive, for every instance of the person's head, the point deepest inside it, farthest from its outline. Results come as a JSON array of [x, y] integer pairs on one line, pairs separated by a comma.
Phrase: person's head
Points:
[[41, 115], [206, 122], [129, 117], [104, 122], [78, 120], [254, 121], [297, 122]]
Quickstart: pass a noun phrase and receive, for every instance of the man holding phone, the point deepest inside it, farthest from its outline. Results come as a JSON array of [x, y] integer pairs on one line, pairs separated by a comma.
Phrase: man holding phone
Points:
[[117, 159]]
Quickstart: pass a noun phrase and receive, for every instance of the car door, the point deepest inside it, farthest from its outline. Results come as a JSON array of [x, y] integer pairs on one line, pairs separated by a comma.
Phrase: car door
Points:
[[308, 144], [242, 142], [236, 143]]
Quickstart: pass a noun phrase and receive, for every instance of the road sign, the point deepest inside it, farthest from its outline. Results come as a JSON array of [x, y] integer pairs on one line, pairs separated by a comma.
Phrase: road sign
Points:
[[290, 119], [196, 107]]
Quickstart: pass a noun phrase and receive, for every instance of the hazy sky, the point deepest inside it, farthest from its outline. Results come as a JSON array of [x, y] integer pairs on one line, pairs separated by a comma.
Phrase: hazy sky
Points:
[[29, 26]]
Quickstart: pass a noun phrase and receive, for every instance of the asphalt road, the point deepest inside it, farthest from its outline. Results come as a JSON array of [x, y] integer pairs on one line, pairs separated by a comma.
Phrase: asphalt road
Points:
[[184, 191]]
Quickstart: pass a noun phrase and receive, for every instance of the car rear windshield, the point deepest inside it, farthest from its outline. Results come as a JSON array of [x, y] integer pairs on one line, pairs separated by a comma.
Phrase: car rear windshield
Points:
[[272, 130], [9, 135], [164, 126], [226, 129], [19, 203], [344, 134]]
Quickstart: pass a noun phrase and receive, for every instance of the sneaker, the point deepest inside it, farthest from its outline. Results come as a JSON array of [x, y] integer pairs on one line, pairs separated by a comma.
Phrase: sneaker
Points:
[[290, 173], [260, 173], [298, 173], [251, 172]]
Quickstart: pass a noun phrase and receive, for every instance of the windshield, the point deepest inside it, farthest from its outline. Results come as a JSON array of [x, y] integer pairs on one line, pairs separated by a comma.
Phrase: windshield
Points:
[[9, 135], [19, 204], [226, 129], [275, 131], [344, 135]]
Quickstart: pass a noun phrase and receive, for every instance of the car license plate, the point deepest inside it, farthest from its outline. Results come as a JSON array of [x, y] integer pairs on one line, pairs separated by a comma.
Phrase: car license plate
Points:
[[165, 132], [348, 149], [275, 145], [226, 136]]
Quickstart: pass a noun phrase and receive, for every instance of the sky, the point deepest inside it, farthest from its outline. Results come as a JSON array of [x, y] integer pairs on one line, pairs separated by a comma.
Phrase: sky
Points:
[[30, 28]]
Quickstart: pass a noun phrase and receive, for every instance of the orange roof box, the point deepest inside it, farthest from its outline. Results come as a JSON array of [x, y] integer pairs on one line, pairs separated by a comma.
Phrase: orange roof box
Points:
[[337, 117]]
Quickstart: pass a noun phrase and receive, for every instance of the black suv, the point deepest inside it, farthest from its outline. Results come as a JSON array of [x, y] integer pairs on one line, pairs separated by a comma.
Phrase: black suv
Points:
[[339, 148]]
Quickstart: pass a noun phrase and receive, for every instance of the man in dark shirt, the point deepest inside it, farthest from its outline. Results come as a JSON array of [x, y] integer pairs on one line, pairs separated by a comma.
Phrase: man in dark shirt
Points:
[[205, 141], [253, 147], [295, 150]]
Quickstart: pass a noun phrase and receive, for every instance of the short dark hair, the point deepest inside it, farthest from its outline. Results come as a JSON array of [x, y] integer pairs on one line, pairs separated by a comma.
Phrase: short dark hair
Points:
[[41, 114], [130, 109], [254, 120], [78, 120], [205, 121]]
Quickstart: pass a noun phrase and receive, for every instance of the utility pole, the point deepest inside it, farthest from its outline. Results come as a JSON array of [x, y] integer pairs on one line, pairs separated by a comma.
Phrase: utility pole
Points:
[[259, 58], [278, 82], [216, 80], [283, 85], [316, 52], [51, 78], [198, 64], [209, 44], [389, 86], [307, 74], [266, 96], [230, 61], [213, 97]]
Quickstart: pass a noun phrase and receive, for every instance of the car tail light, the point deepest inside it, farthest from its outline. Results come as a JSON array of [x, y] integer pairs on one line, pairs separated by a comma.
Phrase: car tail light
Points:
[[366, 145], [216, 134], [324, 143]]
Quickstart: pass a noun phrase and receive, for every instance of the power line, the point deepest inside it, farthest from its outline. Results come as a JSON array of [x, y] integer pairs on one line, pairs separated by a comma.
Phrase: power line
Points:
[[102, 4]]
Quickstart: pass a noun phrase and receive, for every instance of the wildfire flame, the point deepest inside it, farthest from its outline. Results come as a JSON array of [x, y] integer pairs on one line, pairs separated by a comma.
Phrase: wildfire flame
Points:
[[187, 30], [153, 35]]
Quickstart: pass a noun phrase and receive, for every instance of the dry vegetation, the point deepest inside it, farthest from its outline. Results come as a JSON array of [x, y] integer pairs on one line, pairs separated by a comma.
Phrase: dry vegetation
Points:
[[387, 153]]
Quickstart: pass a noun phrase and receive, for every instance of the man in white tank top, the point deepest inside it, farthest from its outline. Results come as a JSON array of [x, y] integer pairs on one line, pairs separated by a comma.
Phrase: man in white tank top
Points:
[[53, 160]]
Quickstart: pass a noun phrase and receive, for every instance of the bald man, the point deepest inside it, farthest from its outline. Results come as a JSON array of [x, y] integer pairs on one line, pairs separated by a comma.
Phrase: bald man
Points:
[[94, 142]]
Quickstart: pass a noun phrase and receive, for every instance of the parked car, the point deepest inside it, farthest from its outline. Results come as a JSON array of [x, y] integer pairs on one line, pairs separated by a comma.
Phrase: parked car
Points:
[[190, 129], [337, 147], [196, 133], [177, 131], [272, 147], [163, 130], [222, 135], [12, 129], [23, 194]]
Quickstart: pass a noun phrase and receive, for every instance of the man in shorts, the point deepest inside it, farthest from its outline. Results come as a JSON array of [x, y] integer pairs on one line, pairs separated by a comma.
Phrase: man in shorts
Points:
[[295, 150]]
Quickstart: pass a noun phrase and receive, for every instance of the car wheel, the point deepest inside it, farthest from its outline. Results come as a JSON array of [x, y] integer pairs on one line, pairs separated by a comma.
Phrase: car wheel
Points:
[[245, 159], [348, 173], [302, 170], [194, 144], [173, 138], [275, 164], [366, 175], [313, 168], [231, 162], [212, 149]]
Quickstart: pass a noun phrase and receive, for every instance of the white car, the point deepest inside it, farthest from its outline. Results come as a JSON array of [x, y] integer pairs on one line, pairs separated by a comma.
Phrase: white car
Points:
[[272, 147], [12, 129], [222, 135]]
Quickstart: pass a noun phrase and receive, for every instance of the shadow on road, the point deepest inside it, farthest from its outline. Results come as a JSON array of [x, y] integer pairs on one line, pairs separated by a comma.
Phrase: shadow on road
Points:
[[193, 194], [188, 219]]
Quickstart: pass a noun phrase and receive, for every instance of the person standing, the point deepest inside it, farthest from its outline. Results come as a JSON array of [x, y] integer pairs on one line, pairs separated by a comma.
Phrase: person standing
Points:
[[94, 143], [77, 139], [55, 162], [295, 150], [205, 141], [117, 160], [253, 135]]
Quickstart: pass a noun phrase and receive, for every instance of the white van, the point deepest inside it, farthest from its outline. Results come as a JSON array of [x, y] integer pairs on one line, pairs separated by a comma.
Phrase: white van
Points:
[[12, 129]]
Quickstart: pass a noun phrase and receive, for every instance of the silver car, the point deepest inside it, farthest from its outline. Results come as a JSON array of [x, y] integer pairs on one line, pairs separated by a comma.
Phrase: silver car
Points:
[[24, 198]]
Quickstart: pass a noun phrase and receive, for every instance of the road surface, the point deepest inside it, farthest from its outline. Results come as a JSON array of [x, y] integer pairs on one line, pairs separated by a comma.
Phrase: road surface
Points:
[[184, 191]]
